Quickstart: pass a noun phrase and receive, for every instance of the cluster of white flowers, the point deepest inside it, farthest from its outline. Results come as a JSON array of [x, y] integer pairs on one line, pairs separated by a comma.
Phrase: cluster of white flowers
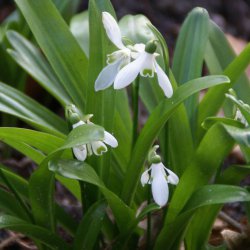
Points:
[[125, 64]]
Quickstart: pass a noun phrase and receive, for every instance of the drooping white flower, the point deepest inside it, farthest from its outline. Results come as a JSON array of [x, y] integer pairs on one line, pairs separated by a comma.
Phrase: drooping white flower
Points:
[[117, 59], [159, 178], [96, 147], [146, 65]]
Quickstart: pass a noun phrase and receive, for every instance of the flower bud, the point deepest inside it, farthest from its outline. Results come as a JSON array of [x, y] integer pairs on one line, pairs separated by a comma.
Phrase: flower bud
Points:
[[151, 47]]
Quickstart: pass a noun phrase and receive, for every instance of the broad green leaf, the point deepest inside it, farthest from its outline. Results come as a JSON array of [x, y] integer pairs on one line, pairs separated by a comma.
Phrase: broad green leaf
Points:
[[219, 194], [79, 26], [67, 7], [59, 46], [155, 122], [9, 205], [41, 184], [135, 28], [122, 239], [44, 142], [32, 61], [21, 186], [216, 143], [189, 54], [240, 135], [18, 104], [82, 171], [35, 232], [41, 196], [100, 46], [220, 57], [90, 227]]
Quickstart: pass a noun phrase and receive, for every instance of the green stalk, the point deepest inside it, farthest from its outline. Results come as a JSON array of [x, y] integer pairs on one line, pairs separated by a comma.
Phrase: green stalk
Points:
[[135, 105]]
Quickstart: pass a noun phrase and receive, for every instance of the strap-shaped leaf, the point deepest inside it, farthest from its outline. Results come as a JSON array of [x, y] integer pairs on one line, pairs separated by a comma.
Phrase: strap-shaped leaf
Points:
[[59, 46], [32, 61], [90, 226], [16, 103], [156, 121], [21, 186], [82, 171], [205, 196], [189, 54], [212, 150], [35, 232]]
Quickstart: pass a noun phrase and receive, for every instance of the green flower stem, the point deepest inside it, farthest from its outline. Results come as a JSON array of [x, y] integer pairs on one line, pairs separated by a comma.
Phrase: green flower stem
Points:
[[135, 105]]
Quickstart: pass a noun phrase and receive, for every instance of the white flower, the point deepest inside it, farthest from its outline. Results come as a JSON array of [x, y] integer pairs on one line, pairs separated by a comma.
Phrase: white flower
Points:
[[96, 147], [146, 65], [117, 59], [239, 117], [159, 179]]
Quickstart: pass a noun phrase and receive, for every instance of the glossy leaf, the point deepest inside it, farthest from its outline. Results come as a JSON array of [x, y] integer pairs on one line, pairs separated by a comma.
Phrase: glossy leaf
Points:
[[79, 26], [16, 103], [90, 227], [156, 121], [216, 143], [206, 195], [32, 61], [189, 54], [35, 232], [67, 58], [82, 171]]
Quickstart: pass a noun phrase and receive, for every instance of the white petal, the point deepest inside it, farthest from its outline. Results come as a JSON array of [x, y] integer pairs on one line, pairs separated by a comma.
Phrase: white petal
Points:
[[160, 190], [80, 152], [163, 81], [112, 30], [128, 73], [99, 147], [110, 139], [144, 178], [78, 124], [148, 67], [107, 76], [172, 177], [89, 149]]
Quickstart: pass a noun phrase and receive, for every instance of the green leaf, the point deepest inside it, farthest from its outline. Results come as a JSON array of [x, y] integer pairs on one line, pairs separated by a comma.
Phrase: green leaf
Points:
[[220, 57], [32, 61], [90, 226], [135, 28], [18, 104], [189, 54], [59, 46], [41, 195], [35, 232], [155, 122], [216, 143], [44, 142], [240, 135], [21, 186], [82, 171], [9, 205], [79, 26]]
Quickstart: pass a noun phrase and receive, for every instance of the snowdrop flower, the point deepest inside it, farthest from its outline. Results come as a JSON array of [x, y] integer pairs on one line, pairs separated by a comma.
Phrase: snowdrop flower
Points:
[[159, 178], [239, 117], [96, 147], [146, 65], [117, 59]]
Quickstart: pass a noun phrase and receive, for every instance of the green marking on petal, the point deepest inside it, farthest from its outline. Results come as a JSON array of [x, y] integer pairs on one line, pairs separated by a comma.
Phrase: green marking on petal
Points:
[[101, 150], [147, 73]]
